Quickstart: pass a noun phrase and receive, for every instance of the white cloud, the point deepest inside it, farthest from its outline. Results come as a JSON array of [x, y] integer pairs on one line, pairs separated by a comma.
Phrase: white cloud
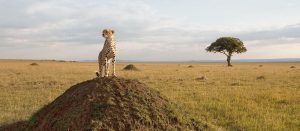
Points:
[[65, 29]]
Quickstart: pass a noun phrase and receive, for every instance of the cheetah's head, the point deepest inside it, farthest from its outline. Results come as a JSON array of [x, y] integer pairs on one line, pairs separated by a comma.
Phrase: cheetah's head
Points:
[[108, 33]]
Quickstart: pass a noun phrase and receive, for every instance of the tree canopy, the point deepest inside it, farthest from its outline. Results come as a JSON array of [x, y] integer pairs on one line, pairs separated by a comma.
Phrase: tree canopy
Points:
[[227, 46]]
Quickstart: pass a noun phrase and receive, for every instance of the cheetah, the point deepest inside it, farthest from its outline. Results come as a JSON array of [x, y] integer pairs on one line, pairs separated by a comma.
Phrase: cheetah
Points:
[[107, 54]]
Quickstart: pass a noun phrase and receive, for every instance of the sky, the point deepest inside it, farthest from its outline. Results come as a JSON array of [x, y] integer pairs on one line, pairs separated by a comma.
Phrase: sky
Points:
[[148, 30]]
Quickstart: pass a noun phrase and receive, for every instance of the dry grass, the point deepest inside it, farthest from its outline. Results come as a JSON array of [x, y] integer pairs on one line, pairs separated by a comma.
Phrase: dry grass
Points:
[[231, 98]]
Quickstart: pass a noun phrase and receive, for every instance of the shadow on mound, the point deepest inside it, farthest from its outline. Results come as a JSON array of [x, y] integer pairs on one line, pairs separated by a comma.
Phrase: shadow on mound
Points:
[[107, 104]]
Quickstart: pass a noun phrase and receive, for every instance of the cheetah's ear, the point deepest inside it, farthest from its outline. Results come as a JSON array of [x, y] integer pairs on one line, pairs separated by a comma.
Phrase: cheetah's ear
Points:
[[104, 31], [112, 31]]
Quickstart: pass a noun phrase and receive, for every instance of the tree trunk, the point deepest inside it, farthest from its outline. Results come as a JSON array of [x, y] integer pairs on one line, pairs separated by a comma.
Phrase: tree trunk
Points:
[[229, 60]]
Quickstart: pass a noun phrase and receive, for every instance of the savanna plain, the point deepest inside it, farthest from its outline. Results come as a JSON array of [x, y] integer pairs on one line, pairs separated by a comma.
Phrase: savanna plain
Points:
[[247, 96]]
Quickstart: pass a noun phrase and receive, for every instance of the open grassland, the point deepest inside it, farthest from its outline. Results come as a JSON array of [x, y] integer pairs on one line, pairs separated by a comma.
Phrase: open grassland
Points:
[[244, 97]]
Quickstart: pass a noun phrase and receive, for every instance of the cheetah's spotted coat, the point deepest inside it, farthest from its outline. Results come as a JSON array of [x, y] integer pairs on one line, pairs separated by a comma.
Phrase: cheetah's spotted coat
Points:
[[107, 53]]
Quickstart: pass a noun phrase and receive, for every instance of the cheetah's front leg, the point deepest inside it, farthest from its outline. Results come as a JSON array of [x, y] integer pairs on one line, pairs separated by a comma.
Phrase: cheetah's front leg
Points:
[[106, 67], [99, 73], [114, 64]]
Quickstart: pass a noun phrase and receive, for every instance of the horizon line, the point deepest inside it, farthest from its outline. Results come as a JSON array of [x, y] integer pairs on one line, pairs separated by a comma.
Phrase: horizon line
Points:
[[173, 61]]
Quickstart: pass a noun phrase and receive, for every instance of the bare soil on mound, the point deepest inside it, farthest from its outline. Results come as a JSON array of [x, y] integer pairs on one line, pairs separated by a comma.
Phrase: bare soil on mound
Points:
[[107, 104], [130, 67]]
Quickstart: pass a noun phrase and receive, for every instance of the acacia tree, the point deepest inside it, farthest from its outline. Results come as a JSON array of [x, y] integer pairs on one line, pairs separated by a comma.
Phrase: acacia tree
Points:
[[227, 46]]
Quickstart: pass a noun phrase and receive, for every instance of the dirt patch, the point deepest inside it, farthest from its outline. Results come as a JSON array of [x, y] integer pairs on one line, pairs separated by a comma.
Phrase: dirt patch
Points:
[[235, 84], [261, 78], [34, 64], [130, 67], [108, 104], [202, 78], [190, 66]]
